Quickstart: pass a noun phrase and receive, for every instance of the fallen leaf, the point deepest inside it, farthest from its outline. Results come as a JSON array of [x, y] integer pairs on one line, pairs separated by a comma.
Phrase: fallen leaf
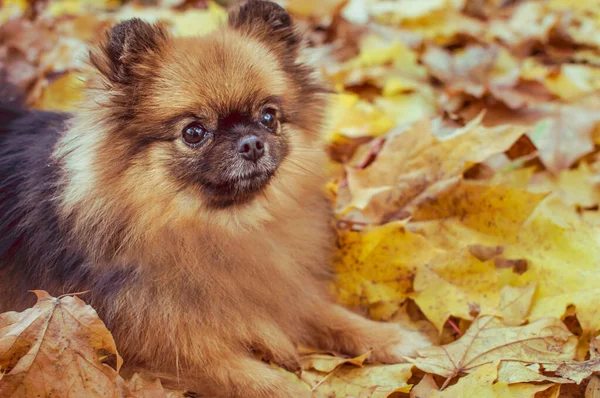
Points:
[[198, 22], [425, 388], [546, 341], [577, 371], [375, 381], [140, 387], [515, 303], [63, 94], [377, 266], [565, 137], [493, 210], [481, 384], [593, 388], [349, 116], [577, 187], [561, 253], [327, 363], [463, 281], [60, 347], [415, 164]]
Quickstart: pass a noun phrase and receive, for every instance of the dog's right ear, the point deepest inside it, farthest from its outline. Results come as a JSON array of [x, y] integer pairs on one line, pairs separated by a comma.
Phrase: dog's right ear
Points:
[[122, 54], [268, 22]]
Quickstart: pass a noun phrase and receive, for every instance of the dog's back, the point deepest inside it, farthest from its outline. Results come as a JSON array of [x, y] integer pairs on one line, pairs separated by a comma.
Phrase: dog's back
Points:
[[27, 176]]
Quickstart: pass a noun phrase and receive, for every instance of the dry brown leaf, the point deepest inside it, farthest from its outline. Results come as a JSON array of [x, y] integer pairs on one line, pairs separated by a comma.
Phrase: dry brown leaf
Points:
[[425, 388], [593, 388], [565, 137], [327, 363], [547, 342], [140, 387], [58, 347], [415, 164], [146, 386], [577, 371]]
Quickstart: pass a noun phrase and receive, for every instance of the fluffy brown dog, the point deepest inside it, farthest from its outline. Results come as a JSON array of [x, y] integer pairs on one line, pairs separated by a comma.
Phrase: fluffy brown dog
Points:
[[187, 196]]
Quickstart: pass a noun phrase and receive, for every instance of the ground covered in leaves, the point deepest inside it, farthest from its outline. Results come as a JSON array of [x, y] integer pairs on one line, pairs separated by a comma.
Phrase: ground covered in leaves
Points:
[[463, 137]]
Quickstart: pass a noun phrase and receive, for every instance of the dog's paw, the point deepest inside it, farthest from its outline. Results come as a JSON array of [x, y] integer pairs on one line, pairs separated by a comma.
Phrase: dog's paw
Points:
[[405, 343]]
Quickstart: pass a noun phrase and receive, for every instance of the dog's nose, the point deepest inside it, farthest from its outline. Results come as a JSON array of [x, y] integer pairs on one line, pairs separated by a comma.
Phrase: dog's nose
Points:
[[251, 148]]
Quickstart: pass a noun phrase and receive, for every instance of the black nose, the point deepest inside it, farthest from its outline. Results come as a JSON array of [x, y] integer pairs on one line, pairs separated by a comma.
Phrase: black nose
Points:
[[251, 148]]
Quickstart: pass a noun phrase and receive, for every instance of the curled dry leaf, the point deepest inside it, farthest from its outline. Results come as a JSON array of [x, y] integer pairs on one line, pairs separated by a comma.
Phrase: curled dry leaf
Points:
[[58, 347], [577, 371], [327, 363], [414, 164], [546, 342], [593, 388]]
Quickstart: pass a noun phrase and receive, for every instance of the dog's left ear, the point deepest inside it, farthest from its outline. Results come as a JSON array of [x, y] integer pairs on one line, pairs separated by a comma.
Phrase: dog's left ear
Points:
[[126, 51], [268, 22]]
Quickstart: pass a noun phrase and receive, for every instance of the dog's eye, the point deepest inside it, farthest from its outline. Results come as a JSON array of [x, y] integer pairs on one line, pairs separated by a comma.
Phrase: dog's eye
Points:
[[193, 134], [268, 118]]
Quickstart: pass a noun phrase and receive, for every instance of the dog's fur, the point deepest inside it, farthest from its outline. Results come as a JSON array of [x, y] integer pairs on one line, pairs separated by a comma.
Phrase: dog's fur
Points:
[[113, 201]]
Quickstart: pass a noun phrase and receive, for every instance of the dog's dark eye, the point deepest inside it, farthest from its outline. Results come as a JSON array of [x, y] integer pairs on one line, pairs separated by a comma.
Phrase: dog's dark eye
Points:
[[193, 134], [268, 118]]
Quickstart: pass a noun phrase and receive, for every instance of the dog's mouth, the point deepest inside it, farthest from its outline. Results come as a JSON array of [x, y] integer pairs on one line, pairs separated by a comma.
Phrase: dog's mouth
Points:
[[238, 190]]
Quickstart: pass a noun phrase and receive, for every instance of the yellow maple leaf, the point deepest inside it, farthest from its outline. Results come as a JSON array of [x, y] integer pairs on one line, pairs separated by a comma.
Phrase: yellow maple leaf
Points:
[[375, 381], [547, 342], [576, 187], [377, 266], [493, 210], [469, 287], [562, 255], [198, 22], [77, 7], [380, 62], [63, 94], [481, 384], [349, 116], [515, 303]]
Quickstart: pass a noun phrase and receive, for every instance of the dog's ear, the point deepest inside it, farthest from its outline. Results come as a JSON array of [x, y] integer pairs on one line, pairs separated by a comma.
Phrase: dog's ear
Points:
[[121, 56], [268, 22]]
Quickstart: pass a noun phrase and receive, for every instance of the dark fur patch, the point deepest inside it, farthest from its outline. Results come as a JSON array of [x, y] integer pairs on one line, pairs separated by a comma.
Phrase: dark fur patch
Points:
[[36, 248]]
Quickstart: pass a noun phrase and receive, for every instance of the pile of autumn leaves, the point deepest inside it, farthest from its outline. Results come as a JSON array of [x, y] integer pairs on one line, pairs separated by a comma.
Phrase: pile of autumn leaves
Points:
[[463, 139]]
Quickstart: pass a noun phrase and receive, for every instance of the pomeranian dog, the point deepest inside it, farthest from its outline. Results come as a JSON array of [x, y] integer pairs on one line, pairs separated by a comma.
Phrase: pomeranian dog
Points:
[[187, 197]]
